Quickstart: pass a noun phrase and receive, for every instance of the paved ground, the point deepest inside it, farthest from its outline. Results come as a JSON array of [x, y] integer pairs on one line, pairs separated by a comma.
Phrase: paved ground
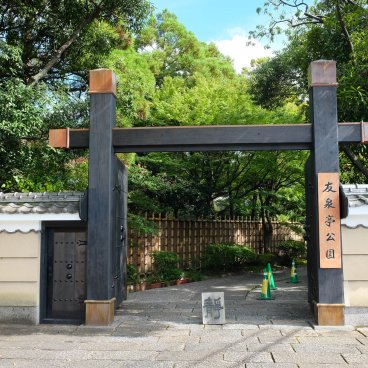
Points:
[[162, 328]]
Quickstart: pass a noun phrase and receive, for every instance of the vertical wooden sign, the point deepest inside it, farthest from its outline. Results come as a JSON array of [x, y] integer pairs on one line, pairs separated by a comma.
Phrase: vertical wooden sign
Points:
[[329, 220]]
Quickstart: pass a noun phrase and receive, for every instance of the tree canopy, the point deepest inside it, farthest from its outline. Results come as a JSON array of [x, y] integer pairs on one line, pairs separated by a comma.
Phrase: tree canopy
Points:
[[188, 82], [332, 30], [59, 40], [166, 76], [46, 50]]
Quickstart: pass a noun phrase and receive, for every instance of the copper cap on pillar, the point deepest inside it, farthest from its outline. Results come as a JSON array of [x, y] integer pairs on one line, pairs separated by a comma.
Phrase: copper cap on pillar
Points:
[[102, 81], [59, 138], [322, 73]]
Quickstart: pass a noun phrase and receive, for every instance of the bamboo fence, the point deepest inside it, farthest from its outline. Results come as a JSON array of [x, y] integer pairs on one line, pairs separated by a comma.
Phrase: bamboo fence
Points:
[[188, 238]]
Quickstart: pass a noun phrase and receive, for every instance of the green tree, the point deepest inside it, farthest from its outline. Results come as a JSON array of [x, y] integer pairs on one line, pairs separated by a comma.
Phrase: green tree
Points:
[[56, 40], [173, 51], [196, 85], [46, 49], [328, 30]]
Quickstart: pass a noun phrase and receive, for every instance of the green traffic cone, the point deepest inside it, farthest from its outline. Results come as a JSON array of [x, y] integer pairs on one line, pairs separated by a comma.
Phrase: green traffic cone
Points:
[[271, 281], [293, 274], [265, 291]]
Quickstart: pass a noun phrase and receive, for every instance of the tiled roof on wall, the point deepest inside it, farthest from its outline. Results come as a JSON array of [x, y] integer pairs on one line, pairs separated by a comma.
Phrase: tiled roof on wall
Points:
[[357, 194], [39, 203]]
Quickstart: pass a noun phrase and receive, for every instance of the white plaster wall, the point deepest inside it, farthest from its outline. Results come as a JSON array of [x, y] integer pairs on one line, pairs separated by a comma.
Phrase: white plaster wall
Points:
[[355, 265], [31, 222], [20, 247], [19, 269]]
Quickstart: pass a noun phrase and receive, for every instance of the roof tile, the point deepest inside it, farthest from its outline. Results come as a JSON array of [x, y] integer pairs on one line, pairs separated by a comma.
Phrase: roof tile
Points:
[[40, 203]]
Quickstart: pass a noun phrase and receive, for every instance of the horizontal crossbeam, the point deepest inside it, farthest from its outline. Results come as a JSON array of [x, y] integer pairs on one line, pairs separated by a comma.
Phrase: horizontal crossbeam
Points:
[[207, 138]]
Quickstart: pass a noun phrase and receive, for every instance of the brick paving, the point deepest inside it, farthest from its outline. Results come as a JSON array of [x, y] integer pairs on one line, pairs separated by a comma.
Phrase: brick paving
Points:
[[162, 328]]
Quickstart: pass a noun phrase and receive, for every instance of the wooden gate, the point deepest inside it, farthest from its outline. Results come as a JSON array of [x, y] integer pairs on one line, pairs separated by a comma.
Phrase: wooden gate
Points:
[[322, 137], [120, 235]]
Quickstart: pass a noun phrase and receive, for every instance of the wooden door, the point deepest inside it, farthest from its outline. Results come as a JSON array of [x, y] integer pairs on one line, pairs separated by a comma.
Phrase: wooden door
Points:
[[66, 274]]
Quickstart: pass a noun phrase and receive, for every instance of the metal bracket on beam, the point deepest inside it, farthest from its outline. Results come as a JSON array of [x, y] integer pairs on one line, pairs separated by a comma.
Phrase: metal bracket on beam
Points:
[[364, 126]]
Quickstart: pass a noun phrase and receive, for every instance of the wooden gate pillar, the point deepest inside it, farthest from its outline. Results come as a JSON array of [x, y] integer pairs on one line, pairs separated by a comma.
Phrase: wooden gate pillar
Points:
[[326, 284], [100, 303]]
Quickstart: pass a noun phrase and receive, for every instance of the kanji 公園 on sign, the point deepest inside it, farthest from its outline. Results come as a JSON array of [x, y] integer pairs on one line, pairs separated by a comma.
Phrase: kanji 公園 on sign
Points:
[[329, 220]]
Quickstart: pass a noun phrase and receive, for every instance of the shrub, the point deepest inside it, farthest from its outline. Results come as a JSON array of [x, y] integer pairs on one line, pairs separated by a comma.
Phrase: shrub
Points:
[[245, 255], [133, 275], [153, 278], [264, 259], [291, 249], [193, 275], [166, 265], [226, 257]]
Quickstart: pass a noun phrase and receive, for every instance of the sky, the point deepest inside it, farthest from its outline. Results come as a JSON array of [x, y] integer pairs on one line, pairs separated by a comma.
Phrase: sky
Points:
[[226, 23]]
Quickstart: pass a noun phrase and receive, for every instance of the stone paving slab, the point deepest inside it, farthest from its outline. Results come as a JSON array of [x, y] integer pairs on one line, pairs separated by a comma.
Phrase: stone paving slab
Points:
[[363, 331], [179, 339], [217, 333], [240, 326], [344, 365], [209, 364], [248, 357], [25, 363], [329, 340], [271, 365], [40, 354], [333, 366], [124, 355], [267, 339], [200, 355], [268, 347], [362, 348], [320, 348], [323, 358], [356, 358], [298, 331]]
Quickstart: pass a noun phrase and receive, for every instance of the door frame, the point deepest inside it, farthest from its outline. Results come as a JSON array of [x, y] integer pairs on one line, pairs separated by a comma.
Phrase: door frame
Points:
[[46, 228]]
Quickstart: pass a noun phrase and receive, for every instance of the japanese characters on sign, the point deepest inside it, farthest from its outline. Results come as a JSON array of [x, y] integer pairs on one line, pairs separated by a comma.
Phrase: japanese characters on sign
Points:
[[329, 220], [213, 308]]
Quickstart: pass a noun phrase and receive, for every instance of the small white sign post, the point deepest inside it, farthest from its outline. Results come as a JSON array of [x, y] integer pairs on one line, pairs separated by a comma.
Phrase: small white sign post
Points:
[[213, 308]]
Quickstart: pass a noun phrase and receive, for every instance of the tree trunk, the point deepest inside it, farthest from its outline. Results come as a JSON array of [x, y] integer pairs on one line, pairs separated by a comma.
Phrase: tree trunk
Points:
[[267, 231], [231, 204], [355, 161], [59, 52], [345, 31], [254, 205]]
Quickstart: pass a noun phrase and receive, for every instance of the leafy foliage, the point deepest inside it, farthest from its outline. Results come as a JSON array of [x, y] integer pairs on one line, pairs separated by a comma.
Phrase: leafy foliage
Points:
[[166, 265], [177, 80], [226, 257], [133, 274], [328, 30], [264, 259], [46, 49], [27, 162], [166, 77], [59, 39], [291, 249]]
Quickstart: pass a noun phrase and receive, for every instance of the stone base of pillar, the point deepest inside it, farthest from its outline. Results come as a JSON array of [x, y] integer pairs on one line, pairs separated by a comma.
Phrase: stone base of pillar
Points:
[[329, 314], [100, 312]]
